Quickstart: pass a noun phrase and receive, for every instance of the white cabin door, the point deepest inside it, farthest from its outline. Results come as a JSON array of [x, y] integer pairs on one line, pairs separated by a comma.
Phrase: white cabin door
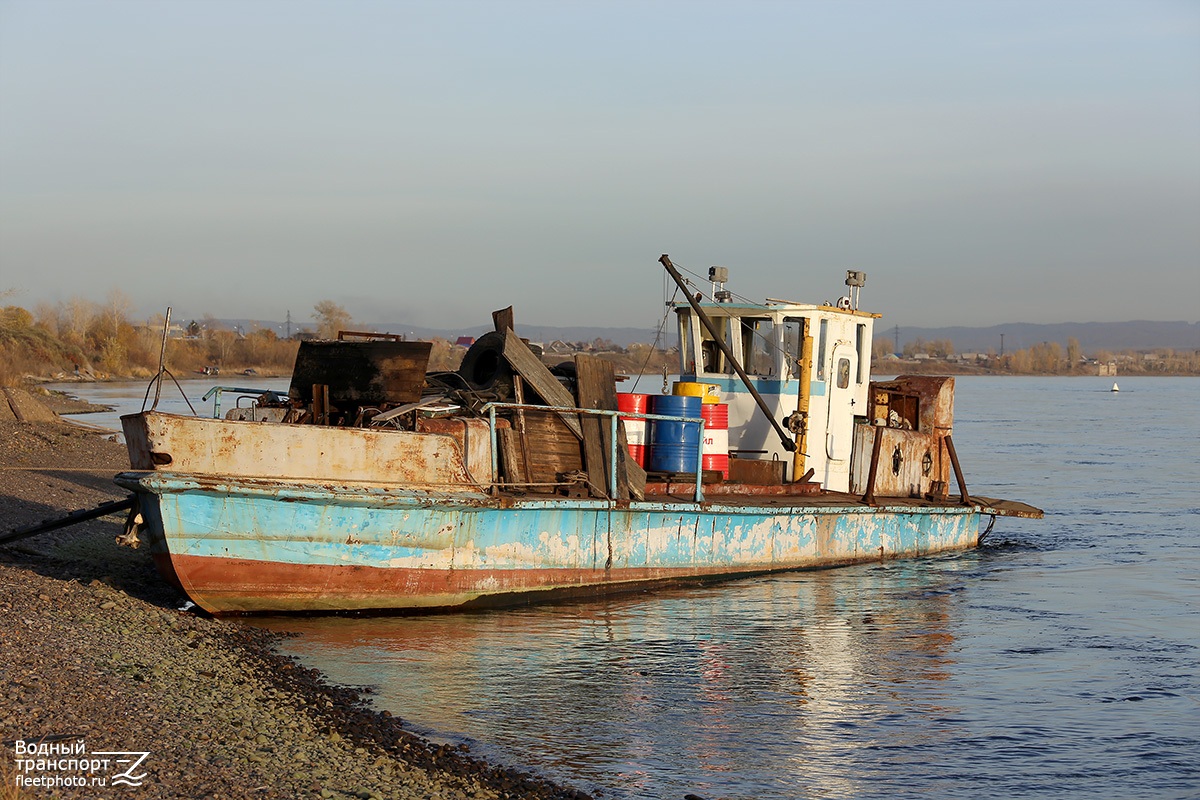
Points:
[[839, 431]]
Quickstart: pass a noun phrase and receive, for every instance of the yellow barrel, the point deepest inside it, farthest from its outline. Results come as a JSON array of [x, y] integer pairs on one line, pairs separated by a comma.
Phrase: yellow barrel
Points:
[[707, 392]]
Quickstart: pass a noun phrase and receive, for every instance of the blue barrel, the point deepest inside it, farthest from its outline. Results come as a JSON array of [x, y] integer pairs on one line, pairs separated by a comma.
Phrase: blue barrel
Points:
[[674, 446]]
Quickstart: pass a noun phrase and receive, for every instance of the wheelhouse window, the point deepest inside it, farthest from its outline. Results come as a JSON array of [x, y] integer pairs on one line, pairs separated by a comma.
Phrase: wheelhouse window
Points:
[[687, 344], [843, 373], [793, 346], [863, 355], [758, 346], [699, 352], [710, 351], [822, 338]]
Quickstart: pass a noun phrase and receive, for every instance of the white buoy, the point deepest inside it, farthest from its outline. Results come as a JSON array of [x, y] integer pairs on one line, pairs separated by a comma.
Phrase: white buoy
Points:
[[1116, 388]]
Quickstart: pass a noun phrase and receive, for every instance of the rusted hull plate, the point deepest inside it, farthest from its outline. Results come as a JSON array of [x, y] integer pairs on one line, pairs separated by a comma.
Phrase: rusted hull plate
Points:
[[226, 586], [217, 447], [260, 546]]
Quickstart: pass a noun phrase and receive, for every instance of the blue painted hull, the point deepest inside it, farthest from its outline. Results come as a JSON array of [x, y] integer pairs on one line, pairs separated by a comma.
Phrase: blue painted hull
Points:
[[252, 545]]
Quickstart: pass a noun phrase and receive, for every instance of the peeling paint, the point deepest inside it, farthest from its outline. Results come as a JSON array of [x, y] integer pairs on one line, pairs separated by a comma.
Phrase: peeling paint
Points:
[[489, 549]]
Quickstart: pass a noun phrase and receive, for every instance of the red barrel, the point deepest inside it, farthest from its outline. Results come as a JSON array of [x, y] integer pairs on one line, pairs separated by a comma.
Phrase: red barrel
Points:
[[714, 450], [635, 429]]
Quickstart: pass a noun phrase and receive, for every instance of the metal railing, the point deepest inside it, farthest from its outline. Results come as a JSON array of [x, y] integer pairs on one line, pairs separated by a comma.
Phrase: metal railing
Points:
[[217, 390], [491, 408]]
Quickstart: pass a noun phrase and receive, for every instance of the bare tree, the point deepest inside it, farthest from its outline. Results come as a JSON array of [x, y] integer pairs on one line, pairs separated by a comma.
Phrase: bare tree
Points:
[[116, 311], [916, 346], [940, 348], [45, 316], [1074, 353], [330, 318], [210, 326], [75, 318], [220, 345]]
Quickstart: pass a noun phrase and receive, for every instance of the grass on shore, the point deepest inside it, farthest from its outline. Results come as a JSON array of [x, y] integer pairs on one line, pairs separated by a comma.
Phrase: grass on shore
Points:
[[9, 790]]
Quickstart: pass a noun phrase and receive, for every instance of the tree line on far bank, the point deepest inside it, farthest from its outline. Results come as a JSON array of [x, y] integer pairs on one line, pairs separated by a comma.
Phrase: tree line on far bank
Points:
[[100, 341], [1046, 358]]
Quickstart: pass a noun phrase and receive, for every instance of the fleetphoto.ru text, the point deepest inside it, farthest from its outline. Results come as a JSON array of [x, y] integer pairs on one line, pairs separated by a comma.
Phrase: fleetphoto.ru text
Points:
[[55, 762]]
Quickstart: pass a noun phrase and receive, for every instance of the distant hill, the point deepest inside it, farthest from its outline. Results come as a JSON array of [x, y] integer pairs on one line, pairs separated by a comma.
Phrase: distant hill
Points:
[[544, 333], [1112, 336], [538, 333], [1092, 336]]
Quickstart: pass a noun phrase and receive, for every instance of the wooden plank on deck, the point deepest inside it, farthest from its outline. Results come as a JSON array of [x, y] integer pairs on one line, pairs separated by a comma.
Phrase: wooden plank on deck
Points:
[[538, 376], [512, 457], [591, 375], [597, 387], [503, 319], [552, 447]]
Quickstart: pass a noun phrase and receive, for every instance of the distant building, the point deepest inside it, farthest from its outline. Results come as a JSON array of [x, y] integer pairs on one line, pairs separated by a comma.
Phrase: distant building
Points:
[[465, 341], [1107, 369]]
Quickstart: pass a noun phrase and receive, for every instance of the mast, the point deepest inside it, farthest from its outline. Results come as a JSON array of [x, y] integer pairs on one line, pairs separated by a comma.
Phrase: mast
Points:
[[798, 422]]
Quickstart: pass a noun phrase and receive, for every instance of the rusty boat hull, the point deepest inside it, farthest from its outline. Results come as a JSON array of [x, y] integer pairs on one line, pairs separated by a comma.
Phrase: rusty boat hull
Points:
[[255, 545]]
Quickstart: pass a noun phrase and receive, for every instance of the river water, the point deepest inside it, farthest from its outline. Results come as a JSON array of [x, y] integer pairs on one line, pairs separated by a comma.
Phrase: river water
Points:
[[184, 397], [1061, 659]]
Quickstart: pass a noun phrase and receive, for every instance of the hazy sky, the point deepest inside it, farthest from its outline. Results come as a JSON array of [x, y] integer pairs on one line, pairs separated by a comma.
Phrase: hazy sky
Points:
[[427, 162]]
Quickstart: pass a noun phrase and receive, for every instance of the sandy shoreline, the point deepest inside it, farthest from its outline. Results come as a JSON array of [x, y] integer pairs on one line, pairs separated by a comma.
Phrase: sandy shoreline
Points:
[[94, 650]]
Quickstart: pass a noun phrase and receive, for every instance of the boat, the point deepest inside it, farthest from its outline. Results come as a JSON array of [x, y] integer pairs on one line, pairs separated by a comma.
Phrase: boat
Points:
[[380, 486]]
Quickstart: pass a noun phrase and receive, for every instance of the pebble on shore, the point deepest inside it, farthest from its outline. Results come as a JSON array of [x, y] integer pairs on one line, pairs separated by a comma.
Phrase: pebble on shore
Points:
[[93, 648]]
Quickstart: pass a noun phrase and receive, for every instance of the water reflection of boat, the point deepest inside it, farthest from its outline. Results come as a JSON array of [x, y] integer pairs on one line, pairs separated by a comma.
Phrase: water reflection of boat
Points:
[[384, 487], [780, 680]]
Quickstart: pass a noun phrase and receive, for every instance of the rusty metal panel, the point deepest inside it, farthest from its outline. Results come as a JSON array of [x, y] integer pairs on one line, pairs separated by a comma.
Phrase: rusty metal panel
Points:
[[718, 491], [137, 441], [910, 462], [361, 373], [473, 437], [1008, 508], [756, 471], [934, 396], [234, 448]]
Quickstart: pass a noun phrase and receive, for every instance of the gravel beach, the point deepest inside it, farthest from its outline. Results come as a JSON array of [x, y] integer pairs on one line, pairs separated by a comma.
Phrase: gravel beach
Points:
[[97, 662]]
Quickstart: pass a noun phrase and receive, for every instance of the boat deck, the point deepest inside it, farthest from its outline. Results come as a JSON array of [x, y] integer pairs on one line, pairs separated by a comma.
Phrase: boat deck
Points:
[[736, 495]]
